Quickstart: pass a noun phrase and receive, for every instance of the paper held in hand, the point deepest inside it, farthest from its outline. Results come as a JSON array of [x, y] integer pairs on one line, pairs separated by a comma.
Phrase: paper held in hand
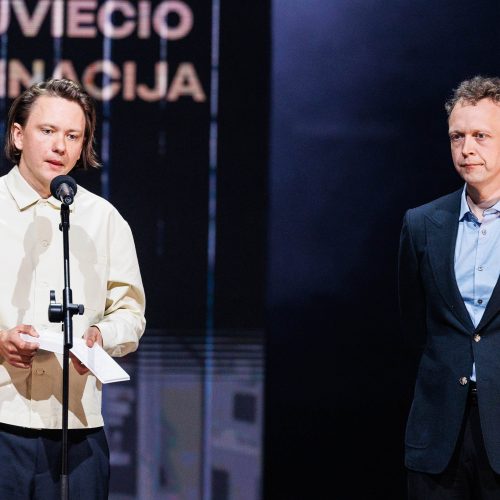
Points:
[[96, 359]]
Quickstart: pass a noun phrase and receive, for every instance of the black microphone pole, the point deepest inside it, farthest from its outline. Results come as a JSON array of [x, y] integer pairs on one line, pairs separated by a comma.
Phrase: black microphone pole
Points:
[[64, 313]]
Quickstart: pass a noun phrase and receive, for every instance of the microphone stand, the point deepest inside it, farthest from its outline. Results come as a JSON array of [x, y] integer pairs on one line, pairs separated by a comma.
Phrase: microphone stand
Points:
[[64, 313]]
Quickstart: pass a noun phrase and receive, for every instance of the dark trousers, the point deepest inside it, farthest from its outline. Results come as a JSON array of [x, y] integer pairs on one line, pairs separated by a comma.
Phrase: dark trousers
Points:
[[468, 476], [30, 464]]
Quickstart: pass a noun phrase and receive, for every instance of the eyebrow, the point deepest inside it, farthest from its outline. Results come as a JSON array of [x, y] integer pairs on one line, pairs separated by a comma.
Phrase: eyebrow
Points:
[[54, 126], [475, 131]]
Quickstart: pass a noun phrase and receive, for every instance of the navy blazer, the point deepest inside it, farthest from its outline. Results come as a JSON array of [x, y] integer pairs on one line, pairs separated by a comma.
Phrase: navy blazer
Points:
[[436, 321]]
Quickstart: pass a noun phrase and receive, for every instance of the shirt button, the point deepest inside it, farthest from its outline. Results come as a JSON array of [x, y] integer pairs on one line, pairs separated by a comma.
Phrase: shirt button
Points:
[[483, 231], [480, 268], [480, 301], [477, 337], [463, 380], [45, 243], [39, 371]]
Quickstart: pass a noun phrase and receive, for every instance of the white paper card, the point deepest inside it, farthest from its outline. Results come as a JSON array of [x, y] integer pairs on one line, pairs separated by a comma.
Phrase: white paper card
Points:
[[96, 359]]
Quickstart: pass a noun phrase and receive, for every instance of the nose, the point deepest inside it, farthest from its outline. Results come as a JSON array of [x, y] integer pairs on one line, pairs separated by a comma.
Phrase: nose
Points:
[[59, 144], [468, 146]]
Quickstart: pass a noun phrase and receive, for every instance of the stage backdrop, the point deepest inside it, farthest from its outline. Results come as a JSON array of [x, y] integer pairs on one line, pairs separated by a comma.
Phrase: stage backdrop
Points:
[[181, 88], [359, 135]]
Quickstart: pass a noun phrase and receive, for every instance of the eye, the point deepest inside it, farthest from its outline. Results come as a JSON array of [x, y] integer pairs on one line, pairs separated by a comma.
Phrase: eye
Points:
[[455, 137], [481, 135], [72, 137], [46, 131]]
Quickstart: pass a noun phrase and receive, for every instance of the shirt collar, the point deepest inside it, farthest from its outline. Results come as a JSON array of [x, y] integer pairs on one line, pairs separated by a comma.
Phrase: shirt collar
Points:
[[464, 206], [24, 195], [465, 210]]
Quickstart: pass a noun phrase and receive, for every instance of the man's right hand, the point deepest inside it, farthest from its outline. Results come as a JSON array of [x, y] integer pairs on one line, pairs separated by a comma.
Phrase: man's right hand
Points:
[[14, 349]]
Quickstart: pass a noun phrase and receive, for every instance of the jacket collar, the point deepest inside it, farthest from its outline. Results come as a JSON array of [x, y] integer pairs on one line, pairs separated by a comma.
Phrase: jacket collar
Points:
[[441, 230]]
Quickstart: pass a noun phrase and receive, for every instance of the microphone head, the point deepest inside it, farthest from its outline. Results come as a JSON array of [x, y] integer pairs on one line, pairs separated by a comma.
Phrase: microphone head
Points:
[[63, 187]]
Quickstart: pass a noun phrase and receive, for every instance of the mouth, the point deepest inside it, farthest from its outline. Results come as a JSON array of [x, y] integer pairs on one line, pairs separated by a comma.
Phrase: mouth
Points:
[[55, 163]]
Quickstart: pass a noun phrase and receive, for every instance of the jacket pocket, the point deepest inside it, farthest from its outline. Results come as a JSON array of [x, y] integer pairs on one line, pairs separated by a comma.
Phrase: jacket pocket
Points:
[[417, 433]]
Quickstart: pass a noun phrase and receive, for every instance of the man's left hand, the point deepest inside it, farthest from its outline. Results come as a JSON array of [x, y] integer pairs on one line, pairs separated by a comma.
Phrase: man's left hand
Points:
[[92, 335]]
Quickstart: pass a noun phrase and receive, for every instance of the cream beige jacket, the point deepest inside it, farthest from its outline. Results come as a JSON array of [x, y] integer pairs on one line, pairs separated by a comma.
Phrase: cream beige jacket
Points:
[[105, 277]]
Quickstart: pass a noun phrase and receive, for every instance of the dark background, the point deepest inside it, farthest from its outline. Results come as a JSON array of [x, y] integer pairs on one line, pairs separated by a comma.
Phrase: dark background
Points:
[[358, 136]]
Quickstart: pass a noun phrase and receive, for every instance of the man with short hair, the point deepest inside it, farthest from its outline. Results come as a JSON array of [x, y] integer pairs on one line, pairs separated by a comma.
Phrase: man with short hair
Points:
[[449, 264], [50, 130]]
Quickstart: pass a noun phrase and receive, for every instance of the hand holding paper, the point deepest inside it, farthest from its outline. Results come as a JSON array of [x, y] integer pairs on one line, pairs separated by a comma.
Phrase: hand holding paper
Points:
[[96, 359]]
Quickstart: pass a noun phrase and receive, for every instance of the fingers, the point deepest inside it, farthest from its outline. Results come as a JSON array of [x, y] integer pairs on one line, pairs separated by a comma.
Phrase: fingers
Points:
[[24, 361], [93, 335], [23, 347], [27, 329], [20, 361], [20, 364], [25, 357], [26, 348], [81, 369], [15, 350], [78, 365]]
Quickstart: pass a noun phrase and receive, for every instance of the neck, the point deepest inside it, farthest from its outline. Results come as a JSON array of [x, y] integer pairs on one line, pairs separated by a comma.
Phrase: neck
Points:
[[42, 190], [481, 199]]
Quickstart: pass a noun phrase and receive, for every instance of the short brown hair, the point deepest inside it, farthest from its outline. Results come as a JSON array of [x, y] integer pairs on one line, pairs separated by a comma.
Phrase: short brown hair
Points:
[[473, 90], [67, 89]]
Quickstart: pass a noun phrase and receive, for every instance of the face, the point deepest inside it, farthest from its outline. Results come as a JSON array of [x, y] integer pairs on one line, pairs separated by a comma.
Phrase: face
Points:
[[50, 142], [475, 143]]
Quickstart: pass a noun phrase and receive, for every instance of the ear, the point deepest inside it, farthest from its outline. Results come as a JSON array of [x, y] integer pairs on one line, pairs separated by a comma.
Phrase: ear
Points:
[[17, 135]]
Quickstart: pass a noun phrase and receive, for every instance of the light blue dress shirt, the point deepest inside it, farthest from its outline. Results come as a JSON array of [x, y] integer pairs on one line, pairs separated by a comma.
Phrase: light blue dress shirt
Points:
[[477, 259]]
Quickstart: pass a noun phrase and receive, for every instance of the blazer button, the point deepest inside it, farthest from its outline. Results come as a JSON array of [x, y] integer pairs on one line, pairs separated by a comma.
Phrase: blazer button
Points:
[[477, 337], [463, 380]]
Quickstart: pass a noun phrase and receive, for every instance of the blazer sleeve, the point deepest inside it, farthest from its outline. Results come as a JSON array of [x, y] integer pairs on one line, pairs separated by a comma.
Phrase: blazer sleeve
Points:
[[412, 302]]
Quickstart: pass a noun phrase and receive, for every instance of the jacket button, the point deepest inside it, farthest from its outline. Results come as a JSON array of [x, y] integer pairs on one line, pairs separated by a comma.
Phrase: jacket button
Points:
[[463, 380], [477, 337]]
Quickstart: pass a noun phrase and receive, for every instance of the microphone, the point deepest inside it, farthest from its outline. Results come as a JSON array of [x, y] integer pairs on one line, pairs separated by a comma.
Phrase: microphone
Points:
[[63, 188]]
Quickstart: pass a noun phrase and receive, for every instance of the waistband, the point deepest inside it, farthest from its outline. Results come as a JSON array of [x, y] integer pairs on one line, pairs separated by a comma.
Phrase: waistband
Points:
[[75, 434]]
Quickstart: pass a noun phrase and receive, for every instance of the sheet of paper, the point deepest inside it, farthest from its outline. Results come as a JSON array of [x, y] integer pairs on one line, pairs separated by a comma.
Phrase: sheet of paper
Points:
[[96, 359]]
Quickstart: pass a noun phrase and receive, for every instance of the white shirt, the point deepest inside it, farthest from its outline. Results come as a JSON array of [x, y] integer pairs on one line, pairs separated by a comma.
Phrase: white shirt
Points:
[[105, 278]]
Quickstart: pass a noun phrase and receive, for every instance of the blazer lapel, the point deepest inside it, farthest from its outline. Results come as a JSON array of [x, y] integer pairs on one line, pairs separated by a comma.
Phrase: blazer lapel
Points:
[[441, 230]]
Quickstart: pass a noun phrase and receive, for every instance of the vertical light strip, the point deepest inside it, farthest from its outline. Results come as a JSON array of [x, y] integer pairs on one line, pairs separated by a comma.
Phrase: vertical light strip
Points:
[[162, 157], [58, 50], [211, 253], [105, 143], [106, 125], [3, 100]]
